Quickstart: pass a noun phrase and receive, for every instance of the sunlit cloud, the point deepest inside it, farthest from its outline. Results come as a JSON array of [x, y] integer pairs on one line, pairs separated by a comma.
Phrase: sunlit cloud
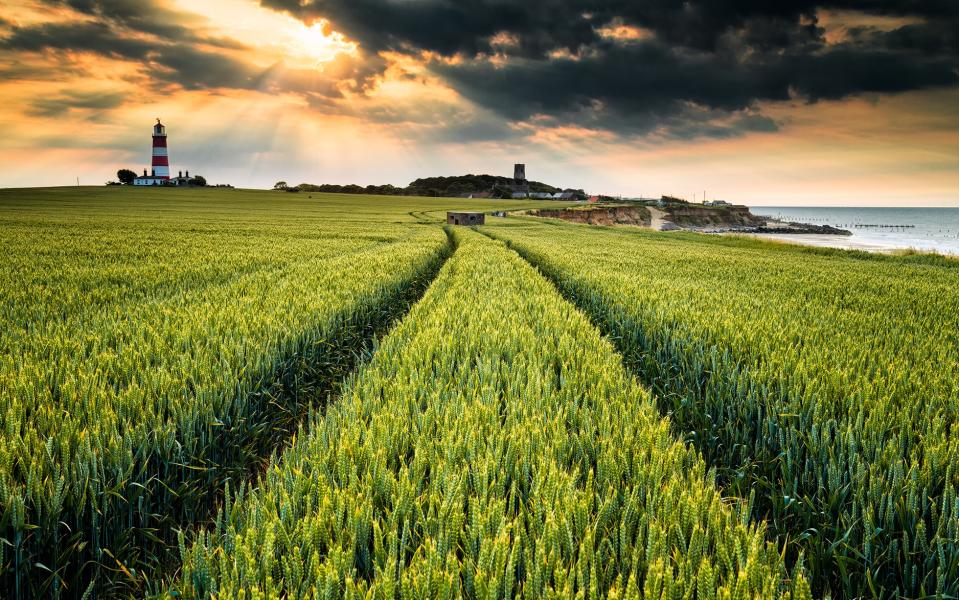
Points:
[[274, 36], [621, 32], [838, 25]]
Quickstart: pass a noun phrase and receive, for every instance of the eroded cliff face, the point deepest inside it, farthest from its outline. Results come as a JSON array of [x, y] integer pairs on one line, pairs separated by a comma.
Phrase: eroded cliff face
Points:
[[722, 216], [705, 219], [599, 215], [674, 217]]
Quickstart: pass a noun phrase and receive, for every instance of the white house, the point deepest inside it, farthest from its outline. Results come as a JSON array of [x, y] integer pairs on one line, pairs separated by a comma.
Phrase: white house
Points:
[[151, 179]]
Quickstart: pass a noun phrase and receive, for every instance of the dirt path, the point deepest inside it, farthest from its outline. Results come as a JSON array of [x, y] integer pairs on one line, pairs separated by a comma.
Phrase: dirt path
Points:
[[657, 218]]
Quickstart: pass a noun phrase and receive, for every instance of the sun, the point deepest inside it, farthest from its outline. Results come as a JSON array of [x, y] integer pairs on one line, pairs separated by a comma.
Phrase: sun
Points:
[[272, 35], [317, 43]]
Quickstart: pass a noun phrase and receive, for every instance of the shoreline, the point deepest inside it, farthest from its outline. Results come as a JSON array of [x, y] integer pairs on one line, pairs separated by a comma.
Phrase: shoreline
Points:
[[844, 243], [892, 233]]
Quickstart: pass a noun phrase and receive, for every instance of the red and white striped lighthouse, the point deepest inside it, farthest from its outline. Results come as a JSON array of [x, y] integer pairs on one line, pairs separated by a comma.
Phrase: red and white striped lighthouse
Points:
[[161, 160]]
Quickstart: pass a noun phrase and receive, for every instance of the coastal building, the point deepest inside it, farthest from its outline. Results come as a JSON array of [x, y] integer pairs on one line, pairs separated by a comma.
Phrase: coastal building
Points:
[[465, 218], [151, 179], [154, 179]]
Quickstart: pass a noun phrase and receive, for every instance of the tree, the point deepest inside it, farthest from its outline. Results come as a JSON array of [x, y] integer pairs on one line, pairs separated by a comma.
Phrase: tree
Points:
[[198, 180], [280, 185], [126, 176]]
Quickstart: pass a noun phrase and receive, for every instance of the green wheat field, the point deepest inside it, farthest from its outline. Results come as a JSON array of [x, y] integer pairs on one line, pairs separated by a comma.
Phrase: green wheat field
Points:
[[248, 394]]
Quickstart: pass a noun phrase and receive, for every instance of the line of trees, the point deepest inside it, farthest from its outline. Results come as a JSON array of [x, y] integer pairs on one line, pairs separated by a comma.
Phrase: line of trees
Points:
[[499, 187]]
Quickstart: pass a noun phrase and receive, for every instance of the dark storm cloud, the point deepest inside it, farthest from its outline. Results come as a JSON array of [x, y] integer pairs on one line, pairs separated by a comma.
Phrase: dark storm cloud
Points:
[[664, 91], [89, 101], [848, 70], [935, 38], [90, 36], [145, 16], [646, 87], [451, 26], [697, 67]]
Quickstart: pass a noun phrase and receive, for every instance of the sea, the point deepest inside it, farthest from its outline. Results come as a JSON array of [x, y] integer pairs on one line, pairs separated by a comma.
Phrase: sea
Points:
[[875, 228]]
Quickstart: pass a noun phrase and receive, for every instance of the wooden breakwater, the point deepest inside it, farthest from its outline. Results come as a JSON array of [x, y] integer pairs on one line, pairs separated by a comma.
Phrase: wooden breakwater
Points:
[[892, 226]]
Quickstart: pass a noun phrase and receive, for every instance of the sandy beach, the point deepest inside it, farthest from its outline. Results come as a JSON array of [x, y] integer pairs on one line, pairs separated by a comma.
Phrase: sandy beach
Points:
[[825, 241]]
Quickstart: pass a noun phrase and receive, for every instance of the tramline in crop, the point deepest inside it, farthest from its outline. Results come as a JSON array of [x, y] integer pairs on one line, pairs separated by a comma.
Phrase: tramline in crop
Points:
[[493, 448]]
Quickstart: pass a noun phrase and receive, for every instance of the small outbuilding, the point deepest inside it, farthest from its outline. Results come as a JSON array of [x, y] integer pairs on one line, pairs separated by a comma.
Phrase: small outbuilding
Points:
[[465, 218]]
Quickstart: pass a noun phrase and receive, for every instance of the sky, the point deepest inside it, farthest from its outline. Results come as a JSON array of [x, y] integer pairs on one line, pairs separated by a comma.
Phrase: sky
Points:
[[793, 102]]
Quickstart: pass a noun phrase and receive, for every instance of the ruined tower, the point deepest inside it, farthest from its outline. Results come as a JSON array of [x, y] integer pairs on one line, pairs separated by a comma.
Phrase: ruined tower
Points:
[[519, 173]]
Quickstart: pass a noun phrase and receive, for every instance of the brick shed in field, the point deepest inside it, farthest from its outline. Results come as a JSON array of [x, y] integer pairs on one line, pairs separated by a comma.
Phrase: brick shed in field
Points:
[[465, 218]]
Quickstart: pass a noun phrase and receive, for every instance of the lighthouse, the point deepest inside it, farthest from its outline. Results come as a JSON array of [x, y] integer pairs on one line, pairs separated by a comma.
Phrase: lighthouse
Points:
[[160, 164], [161, 160]]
